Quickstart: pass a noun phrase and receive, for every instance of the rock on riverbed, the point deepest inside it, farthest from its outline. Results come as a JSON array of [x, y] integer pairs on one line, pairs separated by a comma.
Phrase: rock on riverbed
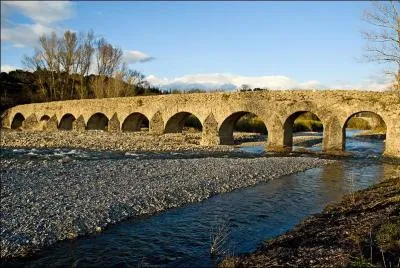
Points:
[[44, 201]]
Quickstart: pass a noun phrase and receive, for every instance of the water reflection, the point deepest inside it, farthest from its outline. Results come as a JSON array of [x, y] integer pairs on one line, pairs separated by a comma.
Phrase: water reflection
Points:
[[181, 237]]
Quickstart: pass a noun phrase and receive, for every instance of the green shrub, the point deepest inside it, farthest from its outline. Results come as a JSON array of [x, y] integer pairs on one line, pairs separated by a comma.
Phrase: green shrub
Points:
[[250, 123], [361, 263], [307, 125], [358, 123], [388, 237]]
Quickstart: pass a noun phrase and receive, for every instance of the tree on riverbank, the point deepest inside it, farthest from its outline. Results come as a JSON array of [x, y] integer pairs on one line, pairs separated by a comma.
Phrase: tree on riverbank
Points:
[[384, 37], [76, 66]]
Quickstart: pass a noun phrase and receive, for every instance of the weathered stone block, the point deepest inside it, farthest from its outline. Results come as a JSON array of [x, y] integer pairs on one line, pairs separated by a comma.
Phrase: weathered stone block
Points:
[[156, 124], [30, 123], [51, 124], [114, 124], [79, 124]]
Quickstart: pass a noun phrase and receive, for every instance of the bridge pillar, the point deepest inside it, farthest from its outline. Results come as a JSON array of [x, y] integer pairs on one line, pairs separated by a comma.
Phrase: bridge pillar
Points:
[[30, 123], [276, 136], [79, 124], [51, 124], [333, 141], [210, 135], [156, 124], [392, 142], [275, 142], [114, 124]]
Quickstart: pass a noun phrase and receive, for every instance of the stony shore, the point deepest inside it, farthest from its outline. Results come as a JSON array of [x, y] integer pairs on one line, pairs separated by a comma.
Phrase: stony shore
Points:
[[99, 140], [362, 230], [46, 200], [132, 141]]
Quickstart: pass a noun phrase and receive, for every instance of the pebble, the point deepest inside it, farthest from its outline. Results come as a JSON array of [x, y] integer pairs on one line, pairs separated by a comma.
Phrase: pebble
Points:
[[76, 198]]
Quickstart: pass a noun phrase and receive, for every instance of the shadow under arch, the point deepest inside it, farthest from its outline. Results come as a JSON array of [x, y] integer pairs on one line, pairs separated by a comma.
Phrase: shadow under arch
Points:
[[372, 140], [66, 122], [230, 124], [45, 118], [17, 121], [97, 121], [178, 121], [135, 122], [303, 121]]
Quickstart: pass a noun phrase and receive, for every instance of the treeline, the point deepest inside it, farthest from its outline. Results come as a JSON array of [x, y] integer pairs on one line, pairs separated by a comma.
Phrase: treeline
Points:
[[72, 66], [78, 66]]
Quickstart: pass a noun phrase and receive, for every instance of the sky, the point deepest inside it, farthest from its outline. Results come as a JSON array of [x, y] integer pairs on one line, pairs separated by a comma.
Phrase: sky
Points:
[[210, 45]]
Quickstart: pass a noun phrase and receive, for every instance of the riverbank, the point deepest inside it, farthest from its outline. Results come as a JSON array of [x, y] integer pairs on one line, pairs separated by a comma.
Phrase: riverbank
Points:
[[100, 140], [133, 141], [45, 200], [362, 230]]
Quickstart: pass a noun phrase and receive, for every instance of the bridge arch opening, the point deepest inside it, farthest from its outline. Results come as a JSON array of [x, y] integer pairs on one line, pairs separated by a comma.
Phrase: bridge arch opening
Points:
[[17, 121], [45, 118], [135, 122], [364, 133], [303, 130], [242, 127], [183, 121], [98, 121], [66, 122]]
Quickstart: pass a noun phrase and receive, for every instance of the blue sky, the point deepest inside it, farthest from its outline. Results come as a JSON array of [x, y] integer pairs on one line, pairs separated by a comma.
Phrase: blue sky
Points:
[[181, 44]]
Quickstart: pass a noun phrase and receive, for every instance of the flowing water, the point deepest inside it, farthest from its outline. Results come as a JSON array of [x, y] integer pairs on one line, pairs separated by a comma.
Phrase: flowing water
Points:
[[181, 237]]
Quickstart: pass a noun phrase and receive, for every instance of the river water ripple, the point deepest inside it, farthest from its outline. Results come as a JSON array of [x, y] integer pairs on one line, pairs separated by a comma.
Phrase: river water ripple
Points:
[[181, 237]]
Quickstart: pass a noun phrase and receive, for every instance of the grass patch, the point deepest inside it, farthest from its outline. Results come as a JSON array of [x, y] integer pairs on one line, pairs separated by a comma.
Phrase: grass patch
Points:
[[358, 123], [251, 123], [307, 125], [388, 237]]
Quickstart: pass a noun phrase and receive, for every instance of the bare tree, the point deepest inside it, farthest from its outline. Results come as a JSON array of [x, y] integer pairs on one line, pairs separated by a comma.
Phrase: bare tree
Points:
[[384, 37], [108, 57], [244, 87], [84, 60], [67, 52]]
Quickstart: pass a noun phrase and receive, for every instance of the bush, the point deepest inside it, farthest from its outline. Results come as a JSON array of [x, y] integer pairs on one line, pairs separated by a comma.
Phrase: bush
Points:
[[388, 237], [358, 123], [307, 125], [250, 123]]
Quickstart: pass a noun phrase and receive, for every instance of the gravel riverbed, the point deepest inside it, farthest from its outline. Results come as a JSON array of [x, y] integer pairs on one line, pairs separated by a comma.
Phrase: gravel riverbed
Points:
[[133, 141], [47, 200]]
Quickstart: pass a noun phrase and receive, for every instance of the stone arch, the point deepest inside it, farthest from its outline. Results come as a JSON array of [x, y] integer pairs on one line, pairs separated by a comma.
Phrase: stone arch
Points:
[[366, 124], [227, 127], [97, 121], [66, 122], [288, 127], [45, 118], [176, 123], [360, 114], [135, 122], [17, 121]]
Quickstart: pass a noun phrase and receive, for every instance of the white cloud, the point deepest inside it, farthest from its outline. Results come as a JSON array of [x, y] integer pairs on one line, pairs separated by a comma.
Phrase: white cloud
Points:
[[25, 34], [8, 68], [274, 82], [42, 11], [43, 14], [134, 56], [230, 81]]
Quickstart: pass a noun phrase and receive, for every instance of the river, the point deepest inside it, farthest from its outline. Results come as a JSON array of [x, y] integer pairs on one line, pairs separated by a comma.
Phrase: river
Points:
[[181, 237]]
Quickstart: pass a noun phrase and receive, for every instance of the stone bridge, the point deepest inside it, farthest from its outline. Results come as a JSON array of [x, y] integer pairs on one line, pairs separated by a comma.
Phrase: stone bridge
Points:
[[218, 113]]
